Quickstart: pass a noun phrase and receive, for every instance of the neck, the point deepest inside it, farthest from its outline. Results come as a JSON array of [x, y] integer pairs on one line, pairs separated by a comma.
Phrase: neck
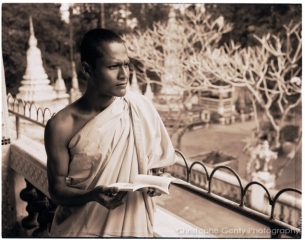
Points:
[[95, 102]]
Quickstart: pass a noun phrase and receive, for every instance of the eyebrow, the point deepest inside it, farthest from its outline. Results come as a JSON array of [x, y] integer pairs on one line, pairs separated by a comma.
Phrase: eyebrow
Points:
[[119, 61]]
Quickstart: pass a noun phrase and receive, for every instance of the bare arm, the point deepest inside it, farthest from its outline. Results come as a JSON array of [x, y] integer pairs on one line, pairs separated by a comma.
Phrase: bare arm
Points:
[[57, 135]]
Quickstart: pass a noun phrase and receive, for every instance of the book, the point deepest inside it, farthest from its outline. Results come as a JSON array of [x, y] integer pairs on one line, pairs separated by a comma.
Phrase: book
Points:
[[145, 181]]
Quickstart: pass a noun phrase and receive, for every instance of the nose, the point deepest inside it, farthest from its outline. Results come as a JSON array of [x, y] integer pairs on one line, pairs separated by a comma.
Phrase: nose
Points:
[[124, 72]]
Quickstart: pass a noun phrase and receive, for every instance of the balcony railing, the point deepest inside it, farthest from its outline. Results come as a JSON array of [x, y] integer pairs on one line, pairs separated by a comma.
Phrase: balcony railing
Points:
[[226, 189]]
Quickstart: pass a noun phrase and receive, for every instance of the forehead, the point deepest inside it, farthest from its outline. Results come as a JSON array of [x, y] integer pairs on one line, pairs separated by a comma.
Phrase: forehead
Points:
[[113, 51]]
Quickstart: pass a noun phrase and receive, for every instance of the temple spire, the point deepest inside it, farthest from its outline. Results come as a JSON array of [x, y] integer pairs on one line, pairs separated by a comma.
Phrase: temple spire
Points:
[[32, 39], [35, 83]]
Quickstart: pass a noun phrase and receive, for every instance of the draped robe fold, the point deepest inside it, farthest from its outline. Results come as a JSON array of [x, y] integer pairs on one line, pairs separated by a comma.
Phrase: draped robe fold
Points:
[[126, 139]]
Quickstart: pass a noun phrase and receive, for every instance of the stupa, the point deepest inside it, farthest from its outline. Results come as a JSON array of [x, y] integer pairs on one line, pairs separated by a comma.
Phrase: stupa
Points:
[[75, 93], [170, 93], [60, 86], [35, 86], [134, 83], [149, 93]]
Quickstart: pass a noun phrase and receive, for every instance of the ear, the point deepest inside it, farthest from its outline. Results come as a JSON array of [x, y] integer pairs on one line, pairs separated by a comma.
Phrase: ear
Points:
[[86, 69]]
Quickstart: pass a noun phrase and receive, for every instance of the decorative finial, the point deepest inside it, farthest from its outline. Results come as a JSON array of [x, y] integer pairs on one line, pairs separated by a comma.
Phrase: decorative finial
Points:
[[32, 39], [31, 27]]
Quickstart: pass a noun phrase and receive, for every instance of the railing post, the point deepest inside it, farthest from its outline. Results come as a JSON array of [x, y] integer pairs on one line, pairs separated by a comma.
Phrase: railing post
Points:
[[41, 204], [9, 217], [48, 214], [28, 195], [17, 127]]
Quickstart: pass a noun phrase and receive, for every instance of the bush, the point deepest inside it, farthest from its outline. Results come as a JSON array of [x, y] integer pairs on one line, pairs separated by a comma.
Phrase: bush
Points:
[[215, 117], [289, 133]]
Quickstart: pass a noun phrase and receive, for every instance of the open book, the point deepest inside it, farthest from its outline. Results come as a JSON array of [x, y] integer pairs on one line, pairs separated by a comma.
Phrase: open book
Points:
[[144, 181]]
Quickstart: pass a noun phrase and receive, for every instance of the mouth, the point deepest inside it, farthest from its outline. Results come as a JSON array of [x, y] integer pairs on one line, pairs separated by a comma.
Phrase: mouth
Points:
[[122, 84]]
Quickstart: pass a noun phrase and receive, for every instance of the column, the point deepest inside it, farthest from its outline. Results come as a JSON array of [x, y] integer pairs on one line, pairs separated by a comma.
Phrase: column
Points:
[[8, 200]]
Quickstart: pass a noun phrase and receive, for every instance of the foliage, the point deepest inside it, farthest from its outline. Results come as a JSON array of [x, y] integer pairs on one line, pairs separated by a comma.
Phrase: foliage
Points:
[[50, 32], [258, 19], [53, 34], [215, 116], [290, 133]]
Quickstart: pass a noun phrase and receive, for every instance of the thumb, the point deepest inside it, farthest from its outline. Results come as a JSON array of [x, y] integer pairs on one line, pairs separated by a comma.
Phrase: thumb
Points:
[[106, 189]]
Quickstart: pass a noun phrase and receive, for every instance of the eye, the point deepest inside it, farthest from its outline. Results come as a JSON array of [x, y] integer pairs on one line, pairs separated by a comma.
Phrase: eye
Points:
[[113, 66], [126, 65]]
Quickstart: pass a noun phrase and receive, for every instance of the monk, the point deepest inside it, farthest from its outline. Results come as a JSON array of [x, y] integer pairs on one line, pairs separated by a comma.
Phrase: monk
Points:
[[108, 135]]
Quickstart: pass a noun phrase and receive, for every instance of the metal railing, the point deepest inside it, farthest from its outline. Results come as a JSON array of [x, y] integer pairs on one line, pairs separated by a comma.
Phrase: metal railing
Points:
[[27, 111], [277, 228]]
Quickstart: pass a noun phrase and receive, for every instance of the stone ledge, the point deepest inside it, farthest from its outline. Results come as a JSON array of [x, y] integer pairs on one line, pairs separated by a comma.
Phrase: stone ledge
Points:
[[28, 158], [168, 225]]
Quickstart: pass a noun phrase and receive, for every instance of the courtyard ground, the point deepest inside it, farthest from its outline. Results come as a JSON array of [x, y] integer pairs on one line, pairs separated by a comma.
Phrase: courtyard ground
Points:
[[228, 139]]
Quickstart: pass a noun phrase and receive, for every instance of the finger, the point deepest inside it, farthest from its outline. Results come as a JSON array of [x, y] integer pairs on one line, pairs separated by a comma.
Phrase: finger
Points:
[[151, 192], [166, 175], [110, 189], [109, 194], [107, 190], [157, 192], [115, 201]]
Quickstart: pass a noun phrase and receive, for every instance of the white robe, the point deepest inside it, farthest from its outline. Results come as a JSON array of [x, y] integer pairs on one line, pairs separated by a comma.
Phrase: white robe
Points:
[[126, 139]]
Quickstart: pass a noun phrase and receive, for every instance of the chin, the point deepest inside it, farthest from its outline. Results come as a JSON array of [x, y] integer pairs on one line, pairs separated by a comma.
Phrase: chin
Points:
[[121, 93]]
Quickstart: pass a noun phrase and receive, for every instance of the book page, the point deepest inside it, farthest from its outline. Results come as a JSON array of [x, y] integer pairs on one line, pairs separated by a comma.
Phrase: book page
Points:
[[160, 181], [144, 181], [128, 186], [179, 181], [153, 181]]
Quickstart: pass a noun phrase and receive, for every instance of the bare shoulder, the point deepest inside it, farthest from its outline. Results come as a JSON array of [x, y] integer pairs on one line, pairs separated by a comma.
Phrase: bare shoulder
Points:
[[61, 125]]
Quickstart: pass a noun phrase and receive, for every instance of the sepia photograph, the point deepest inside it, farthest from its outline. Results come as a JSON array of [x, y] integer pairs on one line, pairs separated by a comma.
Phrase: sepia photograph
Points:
[[151, 120]]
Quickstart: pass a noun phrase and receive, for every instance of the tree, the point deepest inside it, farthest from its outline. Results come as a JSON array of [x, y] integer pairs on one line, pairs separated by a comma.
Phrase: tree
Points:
[[50, 31], [271, 72], [258, 19], [171, 51], [172, 48]]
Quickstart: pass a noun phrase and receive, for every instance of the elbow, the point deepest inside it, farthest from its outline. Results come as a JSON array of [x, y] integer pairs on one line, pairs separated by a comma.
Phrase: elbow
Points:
[[55, 197]]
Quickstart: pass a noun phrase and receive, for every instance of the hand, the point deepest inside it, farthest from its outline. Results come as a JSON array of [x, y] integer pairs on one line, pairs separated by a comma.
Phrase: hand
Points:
[[109, 197], [159, 172], [166, 174], [152, 192]]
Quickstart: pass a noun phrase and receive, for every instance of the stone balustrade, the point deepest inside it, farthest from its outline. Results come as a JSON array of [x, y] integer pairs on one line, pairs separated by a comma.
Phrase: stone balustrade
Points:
[[28, 160]]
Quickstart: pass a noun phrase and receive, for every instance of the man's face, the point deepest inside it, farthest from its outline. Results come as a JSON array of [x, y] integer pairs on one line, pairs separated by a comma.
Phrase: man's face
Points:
[[111, 73]]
